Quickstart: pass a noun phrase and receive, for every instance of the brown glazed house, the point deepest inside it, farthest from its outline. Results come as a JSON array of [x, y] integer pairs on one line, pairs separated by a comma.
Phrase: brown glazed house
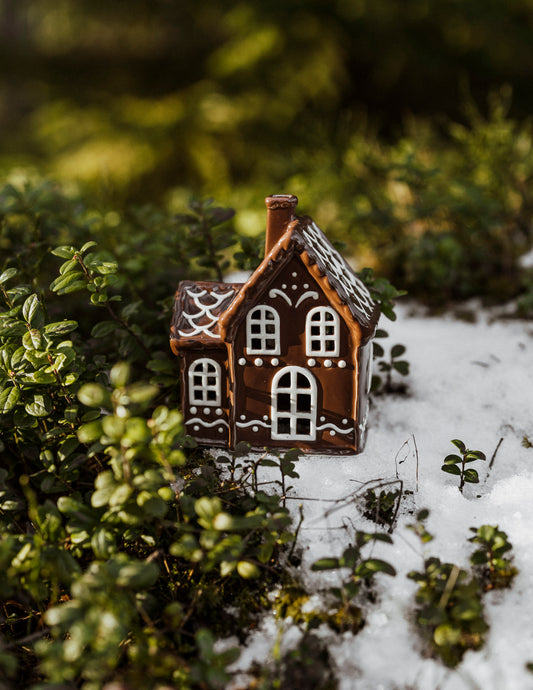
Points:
[[283, 360]]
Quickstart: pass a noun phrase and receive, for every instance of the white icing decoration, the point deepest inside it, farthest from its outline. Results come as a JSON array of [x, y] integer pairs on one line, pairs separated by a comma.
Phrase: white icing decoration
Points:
[[274, 362], [294, 287], [258, 362], [196, 427], [207, 410], [243, 416], [345, 421], [322, 332], [220, 429], [255, 428], [328, 363], [294, 403], [242, 361], [219, 410], [242, 425], [330, 425], [202, 422], [311, 362], [275, 292], [332, 432], [306, 285], [294, 274], [369, 368], [342, 364], [204, 310], [354, 288], [262, 331], [322, 419], [265, 417], [204, 382], [284, 286], [193, 410], [306, 295]]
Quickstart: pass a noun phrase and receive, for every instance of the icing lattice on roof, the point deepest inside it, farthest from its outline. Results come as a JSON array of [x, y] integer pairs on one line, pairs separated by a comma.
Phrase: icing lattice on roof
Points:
[[350, 288], [202, 305]]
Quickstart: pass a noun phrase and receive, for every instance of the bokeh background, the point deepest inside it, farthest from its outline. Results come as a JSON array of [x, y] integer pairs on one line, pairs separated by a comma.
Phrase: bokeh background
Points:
[[404, 128]]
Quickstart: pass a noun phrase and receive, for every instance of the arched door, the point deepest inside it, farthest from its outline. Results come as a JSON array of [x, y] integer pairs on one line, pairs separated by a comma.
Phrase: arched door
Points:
[[294, 405]]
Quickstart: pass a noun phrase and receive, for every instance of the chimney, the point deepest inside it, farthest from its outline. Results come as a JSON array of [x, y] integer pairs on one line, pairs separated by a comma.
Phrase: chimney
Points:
[[280, 212]]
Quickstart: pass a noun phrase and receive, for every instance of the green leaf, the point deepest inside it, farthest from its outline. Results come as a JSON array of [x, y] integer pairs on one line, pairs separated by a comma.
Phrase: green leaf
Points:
[[7, 274], [452, 459], [376, 565], [63, 284], [87, 246], [9, 397], [93, 395], [30, 308], [326, 564], [401, 367], [138, 575], [451, 469], [459, 444], [471, 476], [41, 405], [248, 570], [32, 339], [446, 635], [90, 432], [64, 252], [60, 327], [397, 351], [103, 329], [475, 455]]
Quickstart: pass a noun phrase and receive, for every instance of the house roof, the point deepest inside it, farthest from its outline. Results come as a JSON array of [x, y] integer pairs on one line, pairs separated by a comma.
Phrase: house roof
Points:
[[348, 293], [197, 309]]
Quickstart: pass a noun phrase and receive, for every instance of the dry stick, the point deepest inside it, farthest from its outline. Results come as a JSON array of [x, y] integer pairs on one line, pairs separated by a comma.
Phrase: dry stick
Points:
[[491, 463]]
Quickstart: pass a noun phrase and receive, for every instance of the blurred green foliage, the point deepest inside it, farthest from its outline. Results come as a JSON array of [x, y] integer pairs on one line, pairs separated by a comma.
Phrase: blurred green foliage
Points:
[[403, 129]]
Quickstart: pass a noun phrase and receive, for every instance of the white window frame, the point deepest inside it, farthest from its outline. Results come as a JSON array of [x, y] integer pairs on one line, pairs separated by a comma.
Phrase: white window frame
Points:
[[322, 322], [262, 335], [293, 414], [199, 392]]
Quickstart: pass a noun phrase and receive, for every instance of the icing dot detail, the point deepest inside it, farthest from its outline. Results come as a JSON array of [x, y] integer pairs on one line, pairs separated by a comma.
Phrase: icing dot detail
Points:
[[342, 364], [218, 410], [193, 410], [306, 285], [284, 286], [265, 417], [328, 363], [242, 361], [258, 362], [332, 432], [207, 410], [220, 429], [294, 274], [243, 416], [274, 362], [294, 286], [196, 427], [345, 421], [322, 419], [311, 362], [255, 428]]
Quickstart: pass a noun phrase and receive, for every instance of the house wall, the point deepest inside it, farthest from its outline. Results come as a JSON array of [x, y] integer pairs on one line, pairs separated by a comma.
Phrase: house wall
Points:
[[293, 293], [208, 424]]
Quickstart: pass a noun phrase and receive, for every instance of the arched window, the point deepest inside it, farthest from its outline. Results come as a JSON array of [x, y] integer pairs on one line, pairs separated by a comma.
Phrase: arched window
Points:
[[322, 333], [294, 403], [204, 382], [262, 331]]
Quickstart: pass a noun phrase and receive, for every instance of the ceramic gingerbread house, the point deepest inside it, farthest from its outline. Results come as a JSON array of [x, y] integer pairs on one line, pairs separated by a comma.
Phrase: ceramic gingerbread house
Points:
[[284, 359]]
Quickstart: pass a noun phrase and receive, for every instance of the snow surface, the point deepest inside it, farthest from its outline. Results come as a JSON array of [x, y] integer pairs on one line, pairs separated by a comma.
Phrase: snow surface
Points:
[[472, 381]]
